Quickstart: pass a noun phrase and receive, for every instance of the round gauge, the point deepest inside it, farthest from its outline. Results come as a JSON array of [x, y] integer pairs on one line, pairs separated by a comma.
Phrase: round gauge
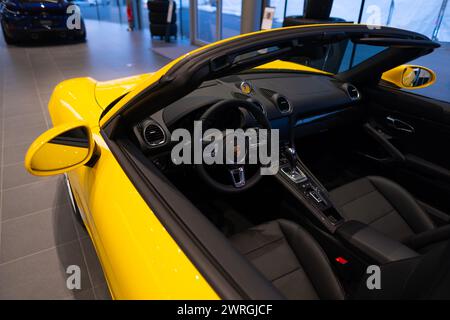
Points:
[[245, 87]]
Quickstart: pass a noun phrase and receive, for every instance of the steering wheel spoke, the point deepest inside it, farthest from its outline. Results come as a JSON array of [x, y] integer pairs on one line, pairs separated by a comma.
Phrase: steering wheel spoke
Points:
[[237, 176]]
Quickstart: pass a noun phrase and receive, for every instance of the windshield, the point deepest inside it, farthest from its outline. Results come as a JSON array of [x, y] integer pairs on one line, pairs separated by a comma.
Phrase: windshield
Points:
[[335, 57]]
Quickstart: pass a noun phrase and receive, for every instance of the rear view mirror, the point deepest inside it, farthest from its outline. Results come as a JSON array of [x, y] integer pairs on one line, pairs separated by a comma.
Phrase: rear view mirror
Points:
[[410, 77], [60, 149]]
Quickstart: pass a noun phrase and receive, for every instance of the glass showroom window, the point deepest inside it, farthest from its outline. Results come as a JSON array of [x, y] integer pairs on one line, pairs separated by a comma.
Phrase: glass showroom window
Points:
[[110, 10], [217, 19], [183, 17], [182, 14], [105, 10], [377, 12], [88, 8], [414, 15], [341, 10], [144, 14], [231, 18], [294, 7], [419, 16], [206, 20], [279, 6], [444, 30]]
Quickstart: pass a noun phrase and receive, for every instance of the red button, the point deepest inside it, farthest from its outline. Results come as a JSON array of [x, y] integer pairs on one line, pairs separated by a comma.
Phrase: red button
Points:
[[341, 260]]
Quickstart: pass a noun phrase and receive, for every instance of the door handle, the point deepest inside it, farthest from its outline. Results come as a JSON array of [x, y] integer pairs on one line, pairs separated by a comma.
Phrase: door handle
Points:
[[400, 125]]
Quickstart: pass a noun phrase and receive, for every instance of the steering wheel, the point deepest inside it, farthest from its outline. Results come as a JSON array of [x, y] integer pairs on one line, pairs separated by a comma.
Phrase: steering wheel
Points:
[[237, 177]]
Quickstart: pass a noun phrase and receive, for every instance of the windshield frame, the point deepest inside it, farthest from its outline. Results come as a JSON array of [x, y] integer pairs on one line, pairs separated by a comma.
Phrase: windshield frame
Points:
[[214, 61]]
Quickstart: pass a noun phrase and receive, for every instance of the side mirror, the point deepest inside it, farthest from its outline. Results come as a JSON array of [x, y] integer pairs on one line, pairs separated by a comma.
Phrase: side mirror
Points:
[[410, 77], [60, 149]]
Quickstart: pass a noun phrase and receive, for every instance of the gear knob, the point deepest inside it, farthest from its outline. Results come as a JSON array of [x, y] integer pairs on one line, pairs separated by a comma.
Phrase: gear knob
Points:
[[291, 157]]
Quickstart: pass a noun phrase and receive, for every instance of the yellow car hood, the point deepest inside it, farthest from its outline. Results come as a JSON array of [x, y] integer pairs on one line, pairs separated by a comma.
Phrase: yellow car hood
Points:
[[107, 91]]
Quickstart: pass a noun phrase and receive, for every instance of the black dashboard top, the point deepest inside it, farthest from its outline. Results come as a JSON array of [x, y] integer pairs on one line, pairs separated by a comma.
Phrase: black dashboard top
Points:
[[278, 94]]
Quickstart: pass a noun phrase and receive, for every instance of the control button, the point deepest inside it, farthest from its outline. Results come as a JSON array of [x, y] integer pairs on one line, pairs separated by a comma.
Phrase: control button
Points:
[[315, 196], [332, 219], [306, 186], [341, 260]]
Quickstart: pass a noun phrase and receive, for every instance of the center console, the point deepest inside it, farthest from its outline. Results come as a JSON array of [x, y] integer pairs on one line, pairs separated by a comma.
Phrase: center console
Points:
[[378, 247], [302, 184]]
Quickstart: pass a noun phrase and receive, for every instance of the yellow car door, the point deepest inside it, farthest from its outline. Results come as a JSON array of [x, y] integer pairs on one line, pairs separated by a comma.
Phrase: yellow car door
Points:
[[139, 257]]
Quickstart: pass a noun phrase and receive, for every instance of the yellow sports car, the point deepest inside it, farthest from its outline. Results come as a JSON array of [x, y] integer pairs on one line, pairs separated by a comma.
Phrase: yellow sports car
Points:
[[353, 200]]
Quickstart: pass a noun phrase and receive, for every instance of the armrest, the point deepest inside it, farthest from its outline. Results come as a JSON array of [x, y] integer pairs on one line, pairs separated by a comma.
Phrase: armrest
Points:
[[435, 214], [389, 147], [429, 237], [374, 244], [427, 167]]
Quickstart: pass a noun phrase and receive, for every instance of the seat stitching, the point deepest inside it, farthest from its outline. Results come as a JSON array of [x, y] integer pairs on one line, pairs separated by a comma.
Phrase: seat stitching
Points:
[[264, 245], [382, 216], [400, 211], [285, 274], [358, 197]]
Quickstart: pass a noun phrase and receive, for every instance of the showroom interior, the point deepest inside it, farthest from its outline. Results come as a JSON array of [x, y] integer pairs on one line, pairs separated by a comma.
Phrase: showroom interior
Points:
[[39, 234]]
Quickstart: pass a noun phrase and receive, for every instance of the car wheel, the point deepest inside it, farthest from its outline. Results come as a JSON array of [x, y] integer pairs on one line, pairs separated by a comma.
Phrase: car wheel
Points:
[[8, 39], [82, 37], [73, 203]]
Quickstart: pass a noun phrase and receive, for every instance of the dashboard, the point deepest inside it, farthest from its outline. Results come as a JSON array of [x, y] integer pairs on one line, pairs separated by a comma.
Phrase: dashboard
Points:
[[312, 102]]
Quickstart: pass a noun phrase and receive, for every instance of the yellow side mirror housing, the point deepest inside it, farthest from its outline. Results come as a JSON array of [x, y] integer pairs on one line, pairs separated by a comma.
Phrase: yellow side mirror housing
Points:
[[410, 77], [60, 149]]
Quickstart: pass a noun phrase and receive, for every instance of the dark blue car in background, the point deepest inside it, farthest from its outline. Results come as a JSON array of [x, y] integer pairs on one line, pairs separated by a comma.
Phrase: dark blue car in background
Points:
[[38, 19]]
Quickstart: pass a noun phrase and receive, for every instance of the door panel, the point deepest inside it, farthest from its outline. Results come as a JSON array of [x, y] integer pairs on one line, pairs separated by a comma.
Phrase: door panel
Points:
[[140, 259], [419, 128], [417, 125]]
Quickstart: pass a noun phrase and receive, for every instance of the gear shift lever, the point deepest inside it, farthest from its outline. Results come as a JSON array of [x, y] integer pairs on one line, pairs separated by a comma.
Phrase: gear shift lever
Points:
[[290, 152], [291, 157], [290, 169]]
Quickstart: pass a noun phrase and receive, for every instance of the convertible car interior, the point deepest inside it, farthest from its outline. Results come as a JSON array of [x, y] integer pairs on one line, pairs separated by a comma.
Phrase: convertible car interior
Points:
[[364, 174]]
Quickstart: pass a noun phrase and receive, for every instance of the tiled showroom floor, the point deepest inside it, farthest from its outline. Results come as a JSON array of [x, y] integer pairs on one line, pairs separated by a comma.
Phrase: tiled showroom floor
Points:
[[39, 235]]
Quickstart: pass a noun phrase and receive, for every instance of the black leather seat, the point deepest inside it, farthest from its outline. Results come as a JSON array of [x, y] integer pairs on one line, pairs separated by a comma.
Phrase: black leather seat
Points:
[[291, 259], [384, 205], [288, 256]]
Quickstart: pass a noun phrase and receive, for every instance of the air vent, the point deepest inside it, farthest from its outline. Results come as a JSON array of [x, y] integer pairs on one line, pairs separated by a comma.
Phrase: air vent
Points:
[[352, 92], [267, 93], [154, 135], [283, 105]]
